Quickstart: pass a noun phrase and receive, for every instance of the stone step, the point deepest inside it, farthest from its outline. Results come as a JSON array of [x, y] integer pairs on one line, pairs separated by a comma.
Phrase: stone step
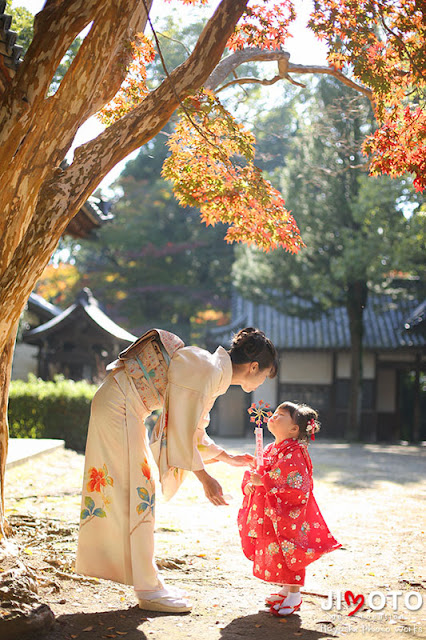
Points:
[[23, 449]]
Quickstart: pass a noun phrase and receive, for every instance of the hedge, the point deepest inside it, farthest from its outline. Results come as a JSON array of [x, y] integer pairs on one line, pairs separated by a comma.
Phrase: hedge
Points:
[[50, 409]]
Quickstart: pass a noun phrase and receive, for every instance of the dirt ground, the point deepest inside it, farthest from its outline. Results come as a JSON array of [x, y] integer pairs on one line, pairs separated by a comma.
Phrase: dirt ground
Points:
[[372, 497]]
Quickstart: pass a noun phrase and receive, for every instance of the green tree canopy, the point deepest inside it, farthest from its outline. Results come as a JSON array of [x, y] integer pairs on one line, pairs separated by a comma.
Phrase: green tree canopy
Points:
[[354, 226], [154, 264]]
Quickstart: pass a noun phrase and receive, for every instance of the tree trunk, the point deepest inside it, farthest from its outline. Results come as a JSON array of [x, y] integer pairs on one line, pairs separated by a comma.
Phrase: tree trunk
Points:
[[357, 298], [5, 371], [39, 198]]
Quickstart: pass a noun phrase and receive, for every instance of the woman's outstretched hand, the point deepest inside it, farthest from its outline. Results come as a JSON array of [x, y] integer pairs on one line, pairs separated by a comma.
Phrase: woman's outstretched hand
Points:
[[241, 460], [211, 487]]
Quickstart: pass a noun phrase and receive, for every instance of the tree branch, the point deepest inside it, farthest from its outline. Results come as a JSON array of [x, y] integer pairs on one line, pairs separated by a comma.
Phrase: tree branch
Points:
[[55, 28], [84, 89], [145, 121], [234, 60], [231, 62], [314, 69], [62, 196], [273, 80], [92, 86]]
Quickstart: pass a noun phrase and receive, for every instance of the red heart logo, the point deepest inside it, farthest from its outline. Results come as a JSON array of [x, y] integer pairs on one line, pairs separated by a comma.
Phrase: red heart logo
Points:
[[350, 599]]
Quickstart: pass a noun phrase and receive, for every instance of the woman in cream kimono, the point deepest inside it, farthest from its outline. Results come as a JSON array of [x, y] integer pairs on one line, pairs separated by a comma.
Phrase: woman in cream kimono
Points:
[[116, 539]]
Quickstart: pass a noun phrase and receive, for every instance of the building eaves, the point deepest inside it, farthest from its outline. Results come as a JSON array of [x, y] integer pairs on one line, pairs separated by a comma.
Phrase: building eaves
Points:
[[87, 303], [384, 326]]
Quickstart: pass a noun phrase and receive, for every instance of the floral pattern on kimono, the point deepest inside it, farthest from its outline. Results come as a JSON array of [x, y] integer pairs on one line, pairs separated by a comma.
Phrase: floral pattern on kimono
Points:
[[148, 369], [98, 481], [280, 524], [146, 494]]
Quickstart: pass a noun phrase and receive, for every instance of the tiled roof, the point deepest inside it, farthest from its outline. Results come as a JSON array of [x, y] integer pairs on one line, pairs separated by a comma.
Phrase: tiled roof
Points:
[[92, 215], [9, 50], [385, 321], [39, 304], [86, 302], [417, 318]]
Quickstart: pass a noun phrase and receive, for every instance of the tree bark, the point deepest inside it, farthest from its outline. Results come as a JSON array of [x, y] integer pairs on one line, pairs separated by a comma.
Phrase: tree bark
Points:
[[357, 298], [38, 198], [5, 370], [229, 64]]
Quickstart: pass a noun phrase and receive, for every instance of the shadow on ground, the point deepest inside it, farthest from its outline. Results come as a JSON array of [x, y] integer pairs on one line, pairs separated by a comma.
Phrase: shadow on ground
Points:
[[117, 623], [263, 625], [355, 466], [363, 466]]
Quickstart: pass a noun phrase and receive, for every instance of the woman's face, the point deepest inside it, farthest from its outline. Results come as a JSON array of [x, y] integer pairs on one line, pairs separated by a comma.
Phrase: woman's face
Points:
[[254, 377]]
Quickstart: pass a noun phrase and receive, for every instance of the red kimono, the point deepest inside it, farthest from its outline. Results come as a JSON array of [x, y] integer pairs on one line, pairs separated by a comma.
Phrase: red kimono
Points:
[[281, 527]]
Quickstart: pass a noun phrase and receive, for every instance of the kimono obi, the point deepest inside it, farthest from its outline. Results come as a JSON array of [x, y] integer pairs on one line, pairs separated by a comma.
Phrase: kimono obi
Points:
[[147, 365]]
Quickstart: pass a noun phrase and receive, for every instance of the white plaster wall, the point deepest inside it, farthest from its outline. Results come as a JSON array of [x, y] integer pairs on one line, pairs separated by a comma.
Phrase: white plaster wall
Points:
[[307, 367], [397, 357], [343, 369], [386, 390], [228, 416], [24, 361], [267, 392]]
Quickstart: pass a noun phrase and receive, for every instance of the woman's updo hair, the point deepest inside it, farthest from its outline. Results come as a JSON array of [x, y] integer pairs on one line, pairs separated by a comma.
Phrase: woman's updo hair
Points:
[[301, 414], [251, 345]]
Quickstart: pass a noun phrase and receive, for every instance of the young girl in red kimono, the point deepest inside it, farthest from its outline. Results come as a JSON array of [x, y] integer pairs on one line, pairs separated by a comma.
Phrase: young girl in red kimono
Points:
[[281, 527]]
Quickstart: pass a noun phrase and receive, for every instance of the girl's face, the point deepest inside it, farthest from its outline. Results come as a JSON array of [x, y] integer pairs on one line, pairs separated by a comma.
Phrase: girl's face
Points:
[[281, 425]]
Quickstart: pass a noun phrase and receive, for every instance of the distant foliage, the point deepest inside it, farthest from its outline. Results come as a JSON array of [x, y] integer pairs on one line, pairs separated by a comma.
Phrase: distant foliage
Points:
[[211, 167], [384, 45], [57, 408]]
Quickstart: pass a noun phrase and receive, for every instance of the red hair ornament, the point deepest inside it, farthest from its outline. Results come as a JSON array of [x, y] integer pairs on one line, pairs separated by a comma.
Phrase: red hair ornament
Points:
[[312, 428]]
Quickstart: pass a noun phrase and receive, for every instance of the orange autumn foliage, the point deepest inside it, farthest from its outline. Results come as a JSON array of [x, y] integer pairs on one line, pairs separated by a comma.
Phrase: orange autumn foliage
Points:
[[59, 283], [211, 167], [380, 43], [383, 44]]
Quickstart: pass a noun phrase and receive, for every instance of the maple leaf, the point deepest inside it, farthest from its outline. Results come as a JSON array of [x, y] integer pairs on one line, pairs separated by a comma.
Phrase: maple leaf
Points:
[[211, 167], [383, 44]]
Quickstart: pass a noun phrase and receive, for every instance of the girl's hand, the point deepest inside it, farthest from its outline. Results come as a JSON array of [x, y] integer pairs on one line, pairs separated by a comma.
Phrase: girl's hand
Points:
[[249, 488], [255, 479]]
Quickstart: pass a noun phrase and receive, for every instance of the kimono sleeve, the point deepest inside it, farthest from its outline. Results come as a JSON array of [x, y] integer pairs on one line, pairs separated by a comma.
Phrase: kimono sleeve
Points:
[[191, 380], [246, 480]]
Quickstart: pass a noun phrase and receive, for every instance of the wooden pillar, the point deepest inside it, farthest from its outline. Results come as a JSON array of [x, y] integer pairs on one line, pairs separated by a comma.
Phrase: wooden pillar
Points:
[[375, 418], [416, 401], [333, 394]]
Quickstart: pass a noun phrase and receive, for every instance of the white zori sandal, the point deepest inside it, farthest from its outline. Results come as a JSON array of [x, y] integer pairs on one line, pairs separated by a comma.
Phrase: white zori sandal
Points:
[[274, 598], [165, 600]]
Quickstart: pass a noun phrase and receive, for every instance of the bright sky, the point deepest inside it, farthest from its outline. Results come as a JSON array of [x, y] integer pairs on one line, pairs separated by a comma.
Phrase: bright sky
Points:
[[304, 48]]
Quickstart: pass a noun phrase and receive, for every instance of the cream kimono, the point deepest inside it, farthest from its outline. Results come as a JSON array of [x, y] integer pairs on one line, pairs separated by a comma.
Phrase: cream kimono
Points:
[[116, 539]]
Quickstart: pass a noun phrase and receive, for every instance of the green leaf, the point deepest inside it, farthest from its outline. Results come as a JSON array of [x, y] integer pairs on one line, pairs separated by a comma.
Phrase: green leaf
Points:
[[89, 502], [143, 493], [141, 507], [99, 512], [84, 514]]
